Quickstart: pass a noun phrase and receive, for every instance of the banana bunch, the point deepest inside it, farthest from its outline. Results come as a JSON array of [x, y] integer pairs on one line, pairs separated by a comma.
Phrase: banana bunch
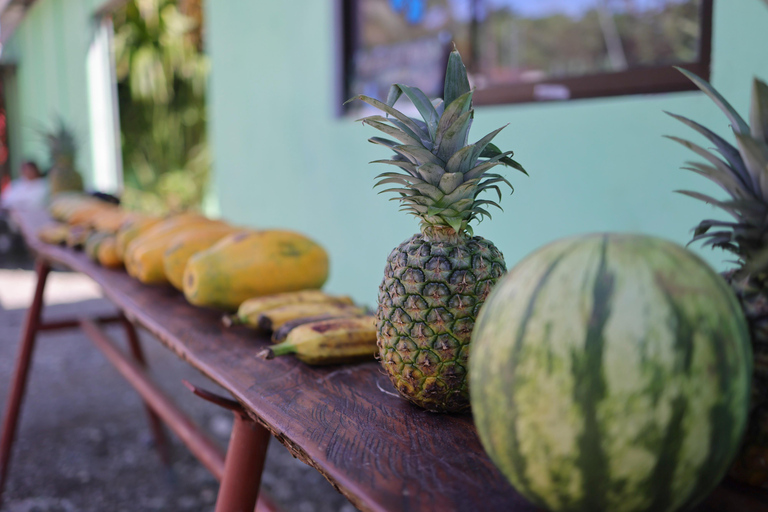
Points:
[[262, 312], [55, 233], [333, 341]]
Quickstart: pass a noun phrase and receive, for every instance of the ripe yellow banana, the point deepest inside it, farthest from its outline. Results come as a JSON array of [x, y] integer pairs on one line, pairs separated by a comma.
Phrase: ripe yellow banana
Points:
[[273, 319], [281, 333], [334, 341], [55, 233], [249, 311]]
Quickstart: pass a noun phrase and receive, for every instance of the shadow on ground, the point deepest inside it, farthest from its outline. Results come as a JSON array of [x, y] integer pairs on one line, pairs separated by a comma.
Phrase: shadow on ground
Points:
[[84, 444]]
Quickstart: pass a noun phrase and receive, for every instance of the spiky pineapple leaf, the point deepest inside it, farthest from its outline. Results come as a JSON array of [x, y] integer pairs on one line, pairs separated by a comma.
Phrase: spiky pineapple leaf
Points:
[[431, 173], [450, 181], [455, 223], [737, 122], [456, 80], [479, 170], [492, 151], [406, 166], [753, 186], [454, 137], [424, 106], [758, 112], [728, 150], [479, 146], [428, 190], [418, 155], [393, 95], [725, 181], [402, 136], [410, 123], [462, 160], [755, 154], [757, 262]]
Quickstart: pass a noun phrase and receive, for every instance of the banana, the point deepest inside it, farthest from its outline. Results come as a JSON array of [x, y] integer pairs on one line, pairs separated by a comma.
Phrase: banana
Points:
[[77, 236], [92, 244], [274, 318], [282, 332], [55, 233], [334, 341], [249, 311], [106, 253]]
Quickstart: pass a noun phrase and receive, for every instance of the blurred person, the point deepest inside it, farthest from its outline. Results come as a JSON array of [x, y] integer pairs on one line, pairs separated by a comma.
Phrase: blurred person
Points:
[[28, 191]]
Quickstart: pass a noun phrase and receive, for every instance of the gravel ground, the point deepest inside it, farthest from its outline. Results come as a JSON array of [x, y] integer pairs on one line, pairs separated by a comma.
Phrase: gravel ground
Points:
[[83, 443]]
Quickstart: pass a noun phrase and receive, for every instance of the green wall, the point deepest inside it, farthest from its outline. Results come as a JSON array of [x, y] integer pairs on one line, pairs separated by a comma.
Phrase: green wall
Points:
[[49, 49], [283, 159]]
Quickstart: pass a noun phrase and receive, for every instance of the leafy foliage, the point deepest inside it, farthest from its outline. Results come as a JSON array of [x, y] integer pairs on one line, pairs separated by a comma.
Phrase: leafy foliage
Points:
[[742, 171], [442, 176], [161, 73]]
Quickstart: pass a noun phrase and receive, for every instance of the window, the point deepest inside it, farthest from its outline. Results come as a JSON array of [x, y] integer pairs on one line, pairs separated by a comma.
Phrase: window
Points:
[[526, 50]]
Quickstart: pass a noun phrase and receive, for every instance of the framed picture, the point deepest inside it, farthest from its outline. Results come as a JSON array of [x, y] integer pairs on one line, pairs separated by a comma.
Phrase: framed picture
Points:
[[525, 50]]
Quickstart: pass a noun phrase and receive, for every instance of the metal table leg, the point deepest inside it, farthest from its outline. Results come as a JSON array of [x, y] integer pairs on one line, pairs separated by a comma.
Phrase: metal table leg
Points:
[[23, 361], [244, 463], [155, 423]]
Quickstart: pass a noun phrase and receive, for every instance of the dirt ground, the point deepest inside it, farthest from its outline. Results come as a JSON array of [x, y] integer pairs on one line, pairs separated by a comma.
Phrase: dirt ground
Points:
[[84, 443]]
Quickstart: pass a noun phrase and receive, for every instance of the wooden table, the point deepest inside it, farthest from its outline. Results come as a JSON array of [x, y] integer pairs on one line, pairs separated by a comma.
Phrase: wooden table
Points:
[[346, 421]]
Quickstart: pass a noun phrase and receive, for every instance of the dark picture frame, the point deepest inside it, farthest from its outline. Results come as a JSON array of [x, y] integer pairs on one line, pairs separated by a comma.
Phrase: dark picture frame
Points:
[[636, 80]]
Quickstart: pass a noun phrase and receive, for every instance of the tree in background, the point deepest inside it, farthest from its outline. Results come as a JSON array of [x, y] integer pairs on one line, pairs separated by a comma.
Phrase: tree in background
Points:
[[161, 80]]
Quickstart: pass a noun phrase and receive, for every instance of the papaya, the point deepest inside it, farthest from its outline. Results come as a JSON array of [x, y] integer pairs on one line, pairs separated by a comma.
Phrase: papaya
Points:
[[131, 229], [144, 256], [106, 253], [251, 264], [88, 212], [185, 245], [92, 244], [111, 220]]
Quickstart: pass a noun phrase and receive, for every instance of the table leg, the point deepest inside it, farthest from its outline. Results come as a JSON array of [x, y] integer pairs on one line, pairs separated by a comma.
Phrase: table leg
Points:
[[161, 440], [246, 453], [23, 361], [244, 463]]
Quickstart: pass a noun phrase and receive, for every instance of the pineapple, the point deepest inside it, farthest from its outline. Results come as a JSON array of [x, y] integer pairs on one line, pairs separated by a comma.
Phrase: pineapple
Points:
[[435, 282], [742, 171], [62, 149]]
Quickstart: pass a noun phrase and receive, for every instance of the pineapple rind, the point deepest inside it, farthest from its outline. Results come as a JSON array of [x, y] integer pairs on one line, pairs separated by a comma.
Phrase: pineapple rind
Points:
[[428, 301]]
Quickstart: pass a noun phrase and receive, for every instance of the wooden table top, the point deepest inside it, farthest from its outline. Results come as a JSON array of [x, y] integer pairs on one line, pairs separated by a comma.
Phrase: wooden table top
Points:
[[381, 452]]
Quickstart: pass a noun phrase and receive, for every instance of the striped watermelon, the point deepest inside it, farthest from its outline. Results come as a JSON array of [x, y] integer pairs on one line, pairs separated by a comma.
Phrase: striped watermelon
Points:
[[611, 373]]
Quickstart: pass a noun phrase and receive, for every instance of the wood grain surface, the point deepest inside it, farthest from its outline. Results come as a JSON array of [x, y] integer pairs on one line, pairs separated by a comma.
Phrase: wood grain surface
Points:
[[380, 451]]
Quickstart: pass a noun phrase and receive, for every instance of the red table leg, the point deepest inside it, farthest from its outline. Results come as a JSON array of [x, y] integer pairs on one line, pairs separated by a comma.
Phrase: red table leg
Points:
[[246, 454], [243, 466], [155, 423], [21, 371]]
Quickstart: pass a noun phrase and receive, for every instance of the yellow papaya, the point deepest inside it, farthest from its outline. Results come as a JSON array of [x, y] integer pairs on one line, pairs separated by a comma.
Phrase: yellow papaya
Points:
[[251, 264], [185, 245], [88, 212], [107, 253], [111, 220], [144, 257], [92, 244], [131, 229]]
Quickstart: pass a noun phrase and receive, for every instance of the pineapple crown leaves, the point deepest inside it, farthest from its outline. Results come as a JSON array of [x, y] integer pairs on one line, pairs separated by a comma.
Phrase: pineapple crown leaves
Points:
[[61, 141], [741, 170], [439, 176]]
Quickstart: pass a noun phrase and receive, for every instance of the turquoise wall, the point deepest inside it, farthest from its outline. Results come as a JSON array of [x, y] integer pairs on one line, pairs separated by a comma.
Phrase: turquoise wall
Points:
[[283, 159], [49, 49]]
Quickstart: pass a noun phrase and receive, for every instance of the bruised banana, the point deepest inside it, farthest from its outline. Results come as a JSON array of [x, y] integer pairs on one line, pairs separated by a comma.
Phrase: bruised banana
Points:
[[334, 341], [274, 318], [249, 311], [55, 233], [281, 333]]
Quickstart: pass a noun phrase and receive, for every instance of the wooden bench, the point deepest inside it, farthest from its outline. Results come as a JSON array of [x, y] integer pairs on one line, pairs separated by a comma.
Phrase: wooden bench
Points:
[[347, 422]]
